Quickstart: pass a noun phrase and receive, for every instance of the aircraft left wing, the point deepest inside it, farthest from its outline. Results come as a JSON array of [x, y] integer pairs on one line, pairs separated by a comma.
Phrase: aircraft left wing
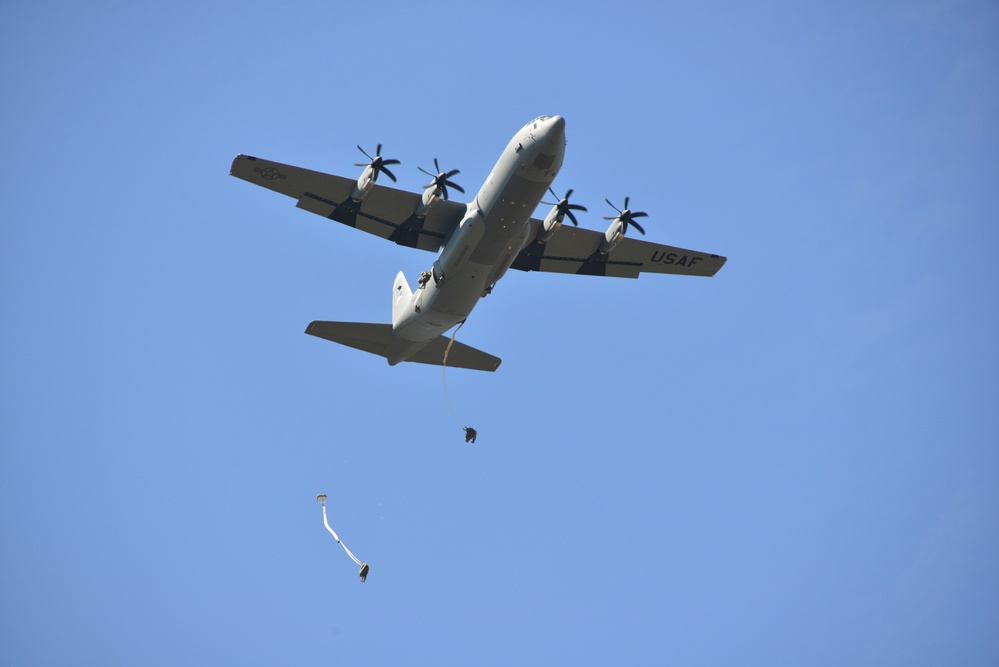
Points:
[[577, 250], [385, 212]]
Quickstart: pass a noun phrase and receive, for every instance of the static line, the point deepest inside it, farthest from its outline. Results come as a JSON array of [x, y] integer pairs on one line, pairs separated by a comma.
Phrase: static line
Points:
[[447, 350]]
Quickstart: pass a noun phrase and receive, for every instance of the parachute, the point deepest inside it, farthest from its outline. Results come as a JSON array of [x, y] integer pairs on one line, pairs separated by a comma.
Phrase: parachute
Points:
[[321, 498]]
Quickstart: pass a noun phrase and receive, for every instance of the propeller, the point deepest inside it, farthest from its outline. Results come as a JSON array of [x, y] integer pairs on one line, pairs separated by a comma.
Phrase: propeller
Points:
[[442, 179], [377, 163], [627, 217], [564, 207]]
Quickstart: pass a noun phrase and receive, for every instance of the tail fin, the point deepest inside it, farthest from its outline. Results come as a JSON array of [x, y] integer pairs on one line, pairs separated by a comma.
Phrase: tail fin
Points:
[[402, 300]]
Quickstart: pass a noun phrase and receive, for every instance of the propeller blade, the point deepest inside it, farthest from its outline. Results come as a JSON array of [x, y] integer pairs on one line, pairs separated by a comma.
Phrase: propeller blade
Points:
[[441, 179], [626, 201], [640, 214], [613, 207], [638, 227], [564, 207], [377, 162]]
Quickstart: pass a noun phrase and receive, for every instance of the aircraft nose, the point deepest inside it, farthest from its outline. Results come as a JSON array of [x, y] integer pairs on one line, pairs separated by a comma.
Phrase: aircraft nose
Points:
[[556, 126], [551, 145], [553, 131]]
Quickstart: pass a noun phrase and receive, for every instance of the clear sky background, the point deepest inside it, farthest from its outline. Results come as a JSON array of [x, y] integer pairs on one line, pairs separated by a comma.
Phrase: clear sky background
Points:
[[792, 463]]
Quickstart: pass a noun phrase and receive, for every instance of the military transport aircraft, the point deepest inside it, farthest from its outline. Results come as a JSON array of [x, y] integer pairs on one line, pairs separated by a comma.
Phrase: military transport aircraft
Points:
[[478, 241]]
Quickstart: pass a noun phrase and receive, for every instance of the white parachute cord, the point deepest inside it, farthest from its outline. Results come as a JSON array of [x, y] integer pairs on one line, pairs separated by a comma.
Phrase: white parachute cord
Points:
[[447, 350], [333, 533]]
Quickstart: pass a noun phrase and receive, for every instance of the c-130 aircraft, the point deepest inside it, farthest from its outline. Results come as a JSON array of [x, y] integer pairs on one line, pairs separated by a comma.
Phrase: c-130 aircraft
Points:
[[478, 241]]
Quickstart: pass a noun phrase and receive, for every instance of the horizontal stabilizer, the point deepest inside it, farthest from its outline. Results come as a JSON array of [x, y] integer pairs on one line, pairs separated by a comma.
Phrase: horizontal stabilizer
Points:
[[379, 339]]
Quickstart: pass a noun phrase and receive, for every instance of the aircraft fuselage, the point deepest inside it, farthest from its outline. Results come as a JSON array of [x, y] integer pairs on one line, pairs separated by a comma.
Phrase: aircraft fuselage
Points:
[[493, 231]]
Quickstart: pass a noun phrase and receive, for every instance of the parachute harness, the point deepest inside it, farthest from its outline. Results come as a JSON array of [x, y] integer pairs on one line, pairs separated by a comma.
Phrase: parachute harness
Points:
[[447, 350], [364, 566]]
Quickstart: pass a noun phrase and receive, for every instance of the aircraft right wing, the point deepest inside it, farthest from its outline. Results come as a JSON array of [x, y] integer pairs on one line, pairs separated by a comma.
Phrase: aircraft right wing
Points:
[[577, 250], [385, 212]]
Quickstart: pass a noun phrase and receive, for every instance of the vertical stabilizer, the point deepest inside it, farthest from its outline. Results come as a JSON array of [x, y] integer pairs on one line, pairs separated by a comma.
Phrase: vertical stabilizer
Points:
[[402, 300]]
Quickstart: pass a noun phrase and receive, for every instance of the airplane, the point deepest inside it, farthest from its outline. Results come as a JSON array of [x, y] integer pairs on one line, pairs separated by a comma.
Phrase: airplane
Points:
[[478, 241]]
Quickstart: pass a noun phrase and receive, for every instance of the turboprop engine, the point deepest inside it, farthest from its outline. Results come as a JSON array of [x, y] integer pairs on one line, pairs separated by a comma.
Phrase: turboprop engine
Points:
[[367, 179], [553, 221], [436, 189], [619, 225], [613, 236]]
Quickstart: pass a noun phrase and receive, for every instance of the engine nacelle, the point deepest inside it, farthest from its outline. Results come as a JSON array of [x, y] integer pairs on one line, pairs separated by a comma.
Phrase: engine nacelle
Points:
[[364, 184], [613, 235], [552, 223], [431, 196], [460, 246]]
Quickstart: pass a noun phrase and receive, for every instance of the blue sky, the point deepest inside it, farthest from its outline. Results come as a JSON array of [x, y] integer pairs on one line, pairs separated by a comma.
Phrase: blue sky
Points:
[[793, 462]]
